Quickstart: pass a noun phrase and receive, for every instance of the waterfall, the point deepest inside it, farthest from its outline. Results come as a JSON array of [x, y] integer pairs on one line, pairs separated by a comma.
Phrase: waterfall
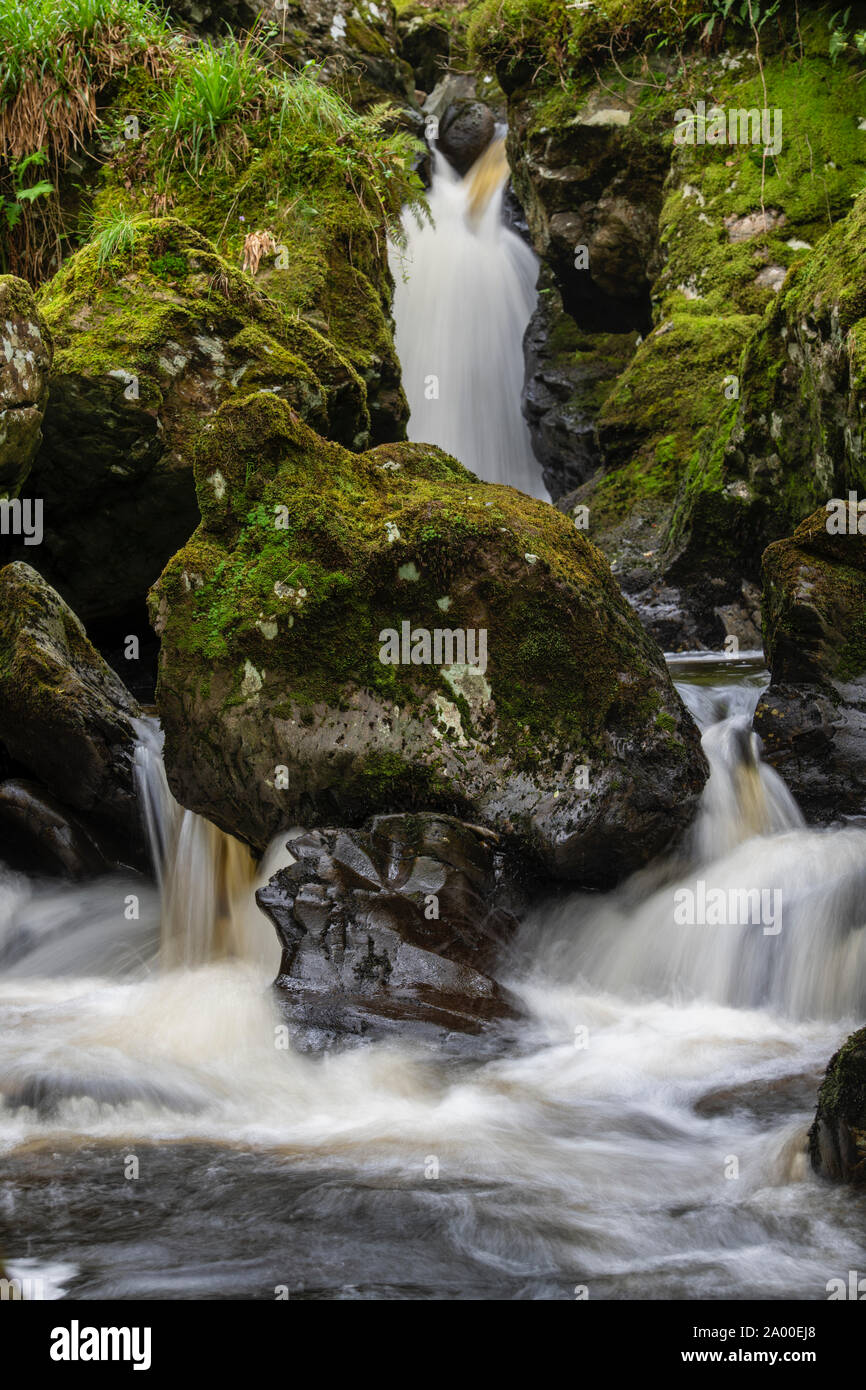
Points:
[[465, 291], [207, 878], [751, 848]]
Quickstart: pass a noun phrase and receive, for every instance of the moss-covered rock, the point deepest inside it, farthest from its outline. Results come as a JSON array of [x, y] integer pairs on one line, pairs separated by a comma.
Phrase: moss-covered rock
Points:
[[25, 361], [147, 346], [314, 183], [837, 1139], [278, 706], [691, 244], [812, 718], [795, 437], [64, 714]]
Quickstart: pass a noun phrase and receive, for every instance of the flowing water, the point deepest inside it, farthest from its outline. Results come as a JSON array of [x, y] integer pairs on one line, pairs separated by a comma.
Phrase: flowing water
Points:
[[465, 291], [643, 1139]]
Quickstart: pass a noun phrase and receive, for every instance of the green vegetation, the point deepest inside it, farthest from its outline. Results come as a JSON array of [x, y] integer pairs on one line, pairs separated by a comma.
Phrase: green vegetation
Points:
[[215, 84]]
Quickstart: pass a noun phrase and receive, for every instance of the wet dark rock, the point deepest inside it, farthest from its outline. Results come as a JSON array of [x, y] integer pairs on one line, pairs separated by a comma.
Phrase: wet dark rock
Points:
[[64, 714], [25, 362], [40, 836], [593, 182], [513, 216], [837, 1139], [425, 44], [812, 718], [568, 375], [398, 927], [465, 131]]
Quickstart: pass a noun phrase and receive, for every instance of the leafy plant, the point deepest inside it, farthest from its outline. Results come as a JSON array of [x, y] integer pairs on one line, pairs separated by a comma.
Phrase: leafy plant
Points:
[[57, 57], [14, 205], [841, 40], [13, 208]]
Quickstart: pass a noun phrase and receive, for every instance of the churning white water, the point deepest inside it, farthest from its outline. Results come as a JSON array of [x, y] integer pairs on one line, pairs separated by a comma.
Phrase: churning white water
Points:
[[465, 291], [598, 1151]]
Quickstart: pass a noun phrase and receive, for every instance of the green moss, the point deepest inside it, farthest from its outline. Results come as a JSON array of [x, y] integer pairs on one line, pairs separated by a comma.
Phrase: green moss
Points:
[[329, 187], [327, 580], [672, 388], [170, 297]]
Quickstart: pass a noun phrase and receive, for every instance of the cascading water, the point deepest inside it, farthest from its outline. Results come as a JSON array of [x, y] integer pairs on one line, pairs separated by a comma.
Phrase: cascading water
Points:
[[594, 1154], [465, 291], [206, 877]]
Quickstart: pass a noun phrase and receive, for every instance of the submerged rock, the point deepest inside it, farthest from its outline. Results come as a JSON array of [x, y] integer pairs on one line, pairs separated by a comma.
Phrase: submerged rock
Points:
[[812, 718], [146, 349], [64, 714], [350, 634], [837, 1139], [25, 361], [396, 927]]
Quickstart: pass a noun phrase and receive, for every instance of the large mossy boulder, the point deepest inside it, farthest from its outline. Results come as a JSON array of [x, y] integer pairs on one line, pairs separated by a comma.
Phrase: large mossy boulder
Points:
[[310, 189], [147, 345], [65, 716], [277, 690], [812, 718], [837, 1139], [25, 361]]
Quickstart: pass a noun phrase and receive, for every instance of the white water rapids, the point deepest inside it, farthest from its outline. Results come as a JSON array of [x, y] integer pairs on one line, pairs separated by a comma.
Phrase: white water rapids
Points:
[[594, 1151], [465, 291]]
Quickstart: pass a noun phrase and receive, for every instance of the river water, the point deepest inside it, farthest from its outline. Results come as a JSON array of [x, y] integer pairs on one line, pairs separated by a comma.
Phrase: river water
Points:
[[641, 1137]]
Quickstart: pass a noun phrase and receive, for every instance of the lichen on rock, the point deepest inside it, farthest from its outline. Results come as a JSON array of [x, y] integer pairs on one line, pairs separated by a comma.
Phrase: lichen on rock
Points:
[[313, 724]]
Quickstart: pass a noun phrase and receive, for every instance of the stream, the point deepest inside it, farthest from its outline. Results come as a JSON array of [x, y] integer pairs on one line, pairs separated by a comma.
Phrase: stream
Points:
[[641, 1137]]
